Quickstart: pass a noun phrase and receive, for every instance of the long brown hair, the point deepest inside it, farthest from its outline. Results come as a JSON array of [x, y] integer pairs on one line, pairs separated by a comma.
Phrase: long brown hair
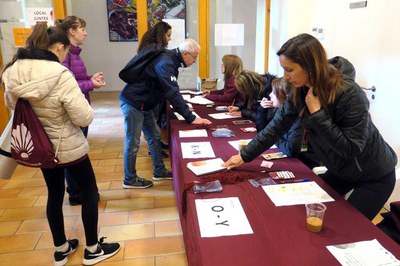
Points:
[[307, 51], [42, 38], [281, 88], [155, 35], [250, 84], [70, 22], [233, 65]]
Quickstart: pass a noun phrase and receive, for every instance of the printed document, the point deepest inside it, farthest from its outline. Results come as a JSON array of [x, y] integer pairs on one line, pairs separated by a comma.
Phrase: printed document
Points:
[[363, 253], [222, 217], [206, 166], [199, 100], [296, 193], [223, 116], [193, 133], [197, 150]]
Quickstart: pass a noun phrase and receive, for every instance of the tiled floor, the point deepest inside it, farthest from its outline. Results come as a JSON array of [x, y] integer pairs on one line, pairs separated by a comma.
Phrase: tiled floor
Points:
[[145, 222]]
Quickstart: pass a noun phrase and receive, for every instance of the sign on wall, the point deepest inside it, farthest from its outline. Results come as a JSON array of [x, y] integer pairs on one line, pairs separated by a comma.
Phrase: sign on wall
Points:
[[40, 15]]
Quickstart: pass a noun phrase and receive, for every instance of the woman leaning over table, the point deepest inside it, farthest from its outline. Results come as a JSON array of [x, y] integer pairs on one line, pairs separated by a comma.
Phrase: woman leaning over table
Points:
[[341, 130]]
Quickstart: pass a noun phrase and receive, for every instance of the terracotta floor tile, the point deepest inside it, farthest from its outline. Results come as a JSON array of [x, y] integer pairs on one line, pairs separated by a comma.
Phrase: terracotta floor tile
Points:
[[10, 193], [28, 258], [17, 202], [168, 228], [153, 247], [9, 228], [109, 219], [172, 260], [129, 204], [154, 215], [18, 242], [165, 201], [23, 214], [127, 232]]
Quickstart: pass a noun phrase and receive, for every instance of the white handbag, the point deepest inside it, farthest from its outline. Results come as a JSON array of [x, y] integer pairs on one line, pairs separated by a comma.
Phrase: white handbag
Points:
[[7, 163]]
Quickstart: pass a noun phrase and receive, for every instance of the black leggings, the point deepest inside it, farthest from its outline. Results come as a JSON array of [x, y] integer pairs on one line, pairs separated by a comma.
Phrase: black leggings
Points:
[[84, 176], [368, 197]]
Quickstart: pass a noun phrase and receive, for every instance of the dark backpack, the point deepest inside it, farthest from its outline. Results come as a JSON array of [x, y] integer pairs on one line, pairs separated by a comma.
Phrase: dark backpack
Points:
[[134, 70], [30, 145]]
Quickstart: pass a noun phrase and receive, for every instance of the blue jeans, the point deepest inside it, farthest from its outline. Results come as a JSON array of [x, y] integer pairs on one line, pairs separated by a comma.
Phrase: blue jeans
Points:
[[134, 122]]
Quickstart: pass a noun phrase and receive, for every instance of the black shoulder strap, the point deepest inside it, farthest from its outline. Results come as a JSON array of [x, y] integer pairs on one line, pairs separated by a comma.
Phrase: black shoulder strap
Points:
[[133, 71]]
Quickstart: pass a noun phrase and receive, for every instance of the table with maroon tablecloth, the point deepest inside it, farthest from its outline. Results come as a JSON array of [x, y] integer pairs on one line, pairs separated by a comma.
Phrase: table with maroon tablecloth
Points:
[[280, 236]]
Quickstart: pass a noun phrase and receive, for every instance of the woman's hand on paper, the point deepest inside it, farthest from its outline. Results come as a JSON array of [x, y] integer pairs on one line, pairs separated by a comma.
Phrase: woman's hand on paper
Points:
[[234, 161], [201, 121], [233, 109]]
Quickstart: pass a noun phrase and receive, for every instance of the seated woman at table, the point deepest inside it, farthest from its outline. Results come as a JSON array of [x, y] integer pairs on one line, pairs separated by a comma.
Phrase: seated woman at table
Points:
[[255, 88], [231, 66], [342, 133]]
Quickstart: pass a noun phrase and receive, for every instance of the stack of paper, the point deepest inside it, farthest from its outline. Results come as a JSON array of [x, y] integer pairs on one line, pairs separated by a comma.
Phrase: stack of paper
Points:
[[193, 133], [197, 150], [206, 166], [199, 100], [223, 116]]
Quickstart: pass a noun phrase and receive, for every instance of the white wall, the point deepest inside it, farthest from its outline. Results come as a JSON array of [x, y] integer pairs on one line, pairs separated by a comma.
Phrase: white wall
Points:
[[369, 37]]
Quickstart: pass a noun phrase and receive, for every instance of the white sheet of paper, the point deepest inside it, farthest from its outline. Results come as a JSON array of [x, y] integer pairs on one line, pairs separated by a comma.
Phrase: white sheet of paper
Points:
[[191, 92], [363, 253], [296, 193], [222, 217], [206, 166], [197, 150], [199, 100], [235, 143], [195, 133], [223, 116], [181, 117], [186, 97]]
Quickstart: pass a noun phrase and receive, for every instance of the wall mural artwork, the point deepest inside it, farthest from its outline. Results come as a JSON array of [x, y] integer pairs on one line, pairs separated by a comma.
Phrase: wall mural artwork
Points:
[[122, 20]]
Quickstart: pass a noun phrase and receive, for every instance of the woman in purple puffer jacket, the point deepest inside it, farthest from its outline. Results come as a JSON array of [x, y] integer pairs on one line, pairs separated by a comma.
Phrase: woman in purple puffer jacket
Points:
[[75, 28]]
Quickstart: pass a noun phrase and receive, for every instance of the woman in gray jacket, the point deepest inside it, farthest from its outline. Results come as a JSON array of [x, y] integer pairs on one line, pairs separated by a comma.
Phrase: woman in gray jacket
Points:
[[36, 75], [341, 132]]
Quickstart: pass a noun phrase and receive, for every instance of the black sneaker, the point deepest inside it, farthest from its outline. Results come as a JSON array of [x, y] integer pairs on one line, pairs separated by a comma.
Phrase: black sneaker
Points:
[[165, 175], [137, 182], [163, 154], [61, 258], [164, 146], [104, 251]]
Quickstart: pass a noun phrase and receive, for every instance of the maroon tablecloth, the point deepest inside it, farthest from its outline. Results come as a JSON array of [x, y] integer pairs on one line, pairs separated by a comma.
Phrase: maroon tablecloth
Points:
[[280, 236]]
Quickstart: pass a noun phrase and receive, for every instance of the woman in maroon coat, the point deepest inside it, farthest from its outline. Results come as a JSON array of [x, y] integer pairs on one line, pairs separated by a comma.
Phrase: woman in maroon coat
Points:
[[231, 67]]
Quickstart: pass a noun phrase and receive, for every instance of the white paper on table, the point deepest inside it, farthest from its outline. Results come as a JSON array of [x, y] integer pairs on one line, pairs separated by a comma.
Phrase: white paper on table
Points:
[[222, 217], [191, 92], [194, 133], [186, 97], [199, 100], [296, 193], [206, 166], [363, 253], [181, 117], [235, 143], [223, 116], [188, 104], [197, 150]]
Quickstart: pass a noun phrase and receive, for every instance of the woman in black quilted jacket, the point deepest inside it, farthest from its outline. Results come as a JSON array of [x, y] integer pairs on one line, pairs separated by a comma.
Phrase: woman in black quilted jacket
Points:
[[336, 115]]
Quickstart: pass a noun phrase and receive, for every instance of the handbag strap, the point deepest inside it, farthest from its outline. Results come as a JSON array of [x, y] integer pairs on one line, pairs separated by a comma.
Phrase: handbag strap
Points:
[[59, 138]]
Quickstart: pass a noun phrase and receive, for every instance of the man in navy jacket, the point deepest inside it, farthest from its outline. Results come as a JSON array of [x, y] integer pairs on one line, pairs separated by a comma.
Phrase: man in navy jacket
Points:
[[138, 99]]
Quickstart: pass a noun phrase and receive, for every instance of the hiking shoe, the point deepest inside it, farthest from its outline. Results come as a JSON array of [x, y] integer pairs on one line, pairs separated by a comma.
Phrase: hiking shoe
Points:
[[61, 258], [137, 182], [165, 175], [104, 251], [163, 154]]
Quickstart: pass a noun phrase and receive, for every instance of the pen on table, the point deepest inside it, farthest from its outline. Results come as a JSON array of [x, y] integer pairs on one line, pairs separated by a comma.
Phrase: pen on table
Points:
[[294, 181], [233, 102]]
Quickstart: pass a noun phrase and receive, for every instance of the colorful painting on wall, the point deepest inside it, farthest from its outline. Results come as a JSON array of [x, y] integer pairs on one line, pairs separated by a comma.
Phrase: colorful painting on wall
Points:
[[165, 9], [122, 20]]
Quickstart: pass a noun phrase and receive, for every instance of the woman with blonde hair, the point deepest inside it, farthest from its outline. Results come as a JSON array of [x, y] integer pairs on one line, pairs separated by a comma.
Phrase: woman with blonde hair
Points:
[[231, 66]]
